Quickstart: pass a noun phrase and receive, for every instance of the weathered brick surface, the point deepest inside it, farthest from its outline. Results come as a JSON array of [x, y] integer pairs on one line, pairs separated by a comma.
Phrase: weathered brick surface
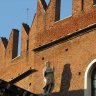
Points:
[[3, 44], [25, 39], [76, 7], [81, 51], [12, 46], [69, 57]]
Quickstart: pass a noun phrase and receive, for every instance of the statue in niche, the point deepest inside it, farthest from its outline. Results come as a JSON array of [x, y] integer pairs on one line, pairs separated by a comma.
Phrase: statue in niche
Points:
[[48, 74]]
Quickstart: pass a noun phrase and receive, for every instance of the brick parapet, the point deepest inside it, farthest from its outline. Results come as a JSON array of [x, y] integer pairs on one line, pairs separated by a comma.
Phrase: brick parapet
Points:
[[12, 46], [25, 38], [62, 27]]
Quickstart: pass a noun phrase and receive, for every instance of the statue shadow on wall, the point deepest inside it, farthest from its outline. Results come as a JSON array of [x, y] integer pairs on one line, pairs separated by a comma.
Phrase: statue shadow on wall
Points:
[[65, 84]]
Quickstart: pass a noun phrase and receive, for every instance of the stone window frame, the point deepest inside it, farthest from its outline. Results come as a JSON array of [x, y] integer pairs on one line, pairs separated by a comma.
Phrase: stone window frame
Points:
[[87, 78], [93, 82]]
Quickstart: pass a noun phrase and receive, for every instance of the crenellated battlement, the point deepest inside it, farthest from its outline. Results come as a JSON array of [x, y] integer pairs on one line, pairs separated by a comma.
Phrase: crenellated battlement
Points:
[[24, 38], [47, 26], [4, 41], [61, 42], [9, 47]]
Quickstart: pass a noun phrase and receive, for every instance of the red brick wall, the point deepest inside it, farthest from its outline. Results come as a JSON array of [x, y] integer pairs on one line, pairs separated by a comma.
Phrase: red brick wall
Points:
[[75, 55], [70, 58], [25, 39], [2, 52]]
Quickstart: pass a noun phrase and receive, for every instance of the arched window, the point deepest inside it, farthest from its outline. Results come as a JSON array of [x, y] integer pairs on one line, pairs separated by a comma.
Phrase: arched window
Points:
[[94, 2], [90, 79], [93, 84]]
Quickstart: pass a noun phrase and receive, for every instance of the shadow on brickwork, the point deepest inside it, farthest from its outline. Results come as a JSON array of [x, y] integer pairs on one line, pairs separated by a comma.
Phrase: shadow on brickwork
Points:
[[65, 84], [66, 78], [9, 89]]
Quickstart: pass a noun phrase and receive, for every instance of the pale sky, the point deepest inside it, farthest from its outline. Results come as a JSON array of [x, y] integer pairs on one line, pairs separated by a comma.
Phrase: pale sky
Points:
[[14, 12]]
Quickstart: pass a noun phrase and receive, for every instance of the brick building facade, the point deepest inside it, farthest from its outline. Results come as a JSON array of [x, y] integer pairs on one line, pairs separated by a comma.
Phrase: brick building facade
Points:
[[69, 45]]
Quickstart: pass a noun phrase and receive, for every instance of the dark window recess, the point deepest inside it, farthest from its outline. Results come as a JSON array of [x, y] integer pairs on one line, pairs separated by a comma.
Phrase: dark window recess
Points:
[[94, 2], [93, 83]]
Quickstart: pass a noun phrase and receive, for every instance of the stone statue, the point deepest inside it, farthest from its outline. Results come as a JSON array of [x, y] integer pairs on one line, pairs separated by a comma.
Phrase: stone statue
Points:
[[48, 74]]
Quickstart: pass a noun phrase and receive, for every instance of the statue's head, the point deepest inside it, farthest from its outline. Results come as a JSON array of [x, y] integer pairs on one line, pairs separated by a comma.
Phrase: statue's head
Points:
[[47, 64]]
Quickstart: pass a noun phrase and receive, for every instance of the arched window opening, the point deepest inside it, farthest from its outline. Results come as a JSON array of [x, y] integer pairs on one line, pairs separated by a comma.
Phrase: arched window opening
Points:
[[90, 79], [93, 83], [94, 2], [66, 8]]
